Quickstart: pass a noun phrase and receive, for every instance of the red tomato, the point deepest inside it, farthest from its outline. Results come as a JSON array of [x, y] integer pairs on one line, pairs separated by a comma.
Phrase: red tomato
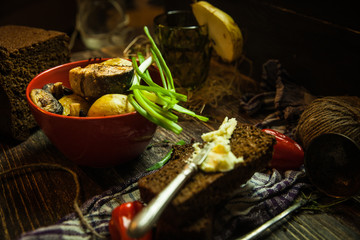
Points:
[[288, 154], [121, 218]]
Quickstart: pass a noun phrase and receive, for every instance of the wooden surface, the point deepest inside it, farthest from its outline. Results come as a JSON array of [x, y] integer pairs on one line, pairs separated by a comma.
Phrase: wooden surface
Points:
[[31, 199]]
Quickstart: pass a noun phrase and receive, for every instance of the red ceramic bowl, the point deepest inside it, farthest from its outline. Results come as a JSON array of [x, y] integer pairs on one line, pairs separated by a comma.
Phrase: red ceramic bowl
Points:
[[91, 141]]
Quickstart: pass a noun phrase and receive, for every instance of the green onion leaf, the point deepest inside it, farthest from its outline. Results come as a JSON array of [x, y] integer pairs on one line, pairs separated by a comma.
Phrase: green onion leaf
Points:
[[162, 162], [156, 103], [161, 59], [165, 159]]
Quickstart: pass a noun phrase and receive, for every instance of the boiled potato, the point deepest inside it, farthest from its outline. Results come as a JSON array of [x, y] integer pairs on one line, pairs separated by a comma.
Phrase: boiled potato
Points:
[[110, 104]]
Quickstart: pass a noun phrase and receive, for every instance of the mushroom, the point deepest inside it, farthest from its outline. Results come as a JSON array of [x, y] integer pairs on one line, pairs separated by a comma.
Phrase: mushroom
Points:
[[45, 100], [58, 90]]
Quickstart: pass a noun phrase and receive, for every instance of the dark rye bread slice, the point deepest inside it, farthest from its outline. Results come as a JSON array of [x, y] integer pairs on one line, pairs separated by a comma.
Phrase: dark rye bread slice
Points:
[[206, 190], [195, 229], [24, 53]]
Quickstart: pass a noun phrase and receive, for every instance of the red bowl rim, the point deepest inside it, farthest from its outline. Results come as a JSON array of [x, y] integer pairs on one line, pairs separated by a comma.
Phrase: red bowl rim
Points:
[[28, 89]]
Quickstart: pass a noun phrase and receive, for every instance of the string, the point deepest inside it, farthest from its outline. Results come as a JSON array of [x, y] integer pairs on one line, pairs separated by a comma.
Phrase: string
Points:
[[338, 114], [77, 184]]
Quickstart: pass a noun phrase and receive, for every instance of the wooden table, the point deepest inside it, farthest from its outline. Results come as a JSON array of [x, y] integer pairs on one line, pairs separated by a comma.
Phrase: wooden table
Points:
[[32, 198]]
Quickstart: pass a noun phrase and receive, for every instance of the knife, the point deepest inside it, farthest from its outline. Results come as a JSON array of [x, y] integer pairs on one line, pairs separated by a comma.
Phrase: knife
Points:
[[298, 204], [149, 215]]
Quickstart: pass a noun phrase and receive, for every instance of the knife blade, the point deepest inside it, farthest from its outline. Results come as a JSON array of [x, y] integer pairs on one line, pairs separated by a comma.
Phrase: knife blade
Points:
[[149, 215]]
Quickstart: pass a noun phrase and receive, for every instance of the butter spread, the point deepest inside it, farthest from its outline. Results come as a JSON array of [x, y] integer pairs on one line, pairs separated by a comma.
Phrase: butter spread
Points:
[[220, 158]]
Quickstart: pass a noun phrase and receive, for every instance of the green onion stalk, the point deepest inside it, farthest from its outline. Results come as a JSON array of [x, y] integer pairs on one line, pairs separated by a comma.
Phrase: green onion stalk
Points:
[[157, 103]]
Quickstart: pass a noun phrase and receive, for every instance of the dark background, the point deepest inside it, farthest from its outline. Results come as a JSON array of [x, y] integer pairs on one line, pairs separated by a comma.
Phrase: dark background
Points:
[[316, 41]]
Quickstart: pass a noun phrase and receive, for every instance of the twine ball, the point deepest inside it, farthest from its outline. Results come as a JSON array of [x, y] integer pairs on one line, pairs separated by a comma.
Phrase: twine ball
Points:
[[334, 114]]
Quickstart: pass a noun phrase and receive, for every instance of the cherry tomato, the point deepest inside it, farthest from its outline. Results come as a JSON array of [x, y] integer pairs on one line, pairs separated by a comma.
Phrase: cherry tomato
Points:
[[120, 220]]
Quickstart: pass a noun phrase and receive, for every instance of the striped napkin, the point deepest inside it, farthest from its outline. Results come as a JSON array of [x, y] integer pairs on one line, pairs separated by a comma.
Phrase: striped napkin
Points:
[[264, 196], [280, 97]]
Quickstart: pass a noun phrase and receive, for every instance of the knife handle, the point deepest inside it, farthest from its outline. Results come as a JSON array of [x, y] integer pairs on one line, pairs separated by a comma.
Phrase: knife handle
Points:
[[149, 215]]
